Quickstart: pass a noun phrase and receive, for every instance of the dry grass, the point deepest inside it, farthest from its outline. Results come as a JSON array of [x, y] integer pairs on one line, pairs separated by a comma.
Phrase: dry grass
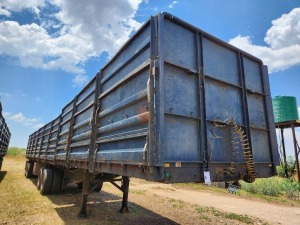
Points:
[[21, 203]]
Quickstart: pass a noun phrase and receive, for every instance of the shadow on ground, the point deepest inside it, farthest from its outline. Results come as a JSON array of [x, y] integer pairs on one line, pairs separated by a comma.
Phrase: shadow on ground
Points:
[[2, 175], [103, 208]]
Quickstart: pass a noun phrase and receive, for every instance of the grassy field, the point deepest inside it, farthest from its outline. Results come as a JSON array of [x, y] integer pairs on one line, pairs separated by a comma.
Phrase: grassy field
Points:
[[21, 203], [274, 189], [16, 152], [19, 200]]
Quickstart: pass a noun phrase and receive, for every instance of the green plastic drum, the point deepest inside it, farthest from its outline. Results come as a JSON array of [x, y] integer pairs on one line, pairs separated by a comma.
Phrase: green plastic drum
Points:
[[285, 108]]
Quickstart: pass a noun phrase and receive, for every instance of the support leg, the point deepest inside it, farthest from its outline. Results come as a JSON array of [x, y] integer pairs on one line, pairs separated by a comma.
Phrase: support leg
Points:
[[85, 193], [284, 155], [125, 189], [296, 153]]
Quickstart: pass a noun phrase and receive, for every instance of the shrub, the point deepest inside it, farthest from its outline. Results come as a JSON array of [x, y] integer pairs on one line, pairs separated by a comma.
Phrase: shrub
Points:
[[292, 189], [280, 171], [269, 186], [16, 152], [290, 165]]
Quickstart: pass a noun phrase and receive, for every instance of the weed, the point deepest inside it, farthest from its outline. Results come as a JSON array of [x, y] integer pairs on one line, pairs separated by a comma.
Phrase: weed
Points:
[[172, 200], [292, 190], [217, 213], [138, 192], [274, 187], [206, 218], [201, 210], [241, 218], [289, 166], [199, 186], [16, 152], [269, 187]]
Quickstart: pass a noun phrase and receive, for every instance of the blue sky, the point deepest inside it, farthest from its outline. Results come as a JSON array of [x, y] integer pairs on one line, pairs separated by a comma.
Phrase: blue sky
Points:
[[50, 48]]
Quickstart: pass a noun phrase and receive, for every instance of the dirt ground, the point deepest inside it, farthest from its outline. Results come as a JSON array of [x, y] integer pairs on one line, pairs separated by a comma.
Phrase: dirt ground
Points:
[[149, 203]]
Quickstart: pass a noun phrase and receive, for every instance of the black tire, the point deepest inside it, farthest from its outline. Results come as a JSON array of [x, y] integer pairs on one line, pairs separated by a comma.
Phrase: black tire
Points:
[[1, 161], [99, 188], [80, 185], [26, 169], [57, 181], [46, 182], [29, 170], [40, 177]]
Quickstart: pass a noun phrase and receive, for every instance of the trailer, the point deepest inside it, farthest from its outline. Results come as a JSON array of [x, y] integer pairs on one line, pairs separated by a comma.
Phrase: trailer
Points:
[[175, 104], [4, 137]]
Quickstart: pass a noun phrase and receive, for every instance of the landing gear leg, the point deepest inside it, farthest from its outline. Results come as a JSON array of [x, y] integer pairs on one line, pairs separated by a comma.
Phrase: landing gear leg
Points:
[[125, 190], [85, 193]]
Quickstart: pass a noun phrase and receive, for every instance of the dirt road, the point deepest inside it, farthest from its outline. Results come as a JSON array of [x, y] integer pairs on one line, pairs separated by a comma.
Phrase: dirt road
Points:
[[274, 214], [149, 203]]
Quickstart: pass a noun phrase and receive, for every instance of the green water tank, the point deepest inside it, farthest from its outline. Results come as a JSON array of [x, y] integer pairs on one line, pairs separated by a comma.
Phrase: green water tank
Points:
[[285, 108]]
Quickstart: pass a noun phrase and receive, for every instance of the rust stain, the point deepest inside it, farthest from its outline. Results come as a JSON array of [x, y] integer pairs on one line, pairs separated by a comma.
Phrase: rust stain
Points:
[[143, 116]]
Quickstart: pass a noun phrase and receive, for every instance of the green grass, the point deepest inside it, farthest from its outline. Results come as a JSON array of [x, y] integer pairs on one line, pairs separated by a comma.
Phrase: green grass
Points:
[[200, 186], [274, 187], [265, 186], [176, 203], [201, 210], [19, 197], [232, 216], [16, 152], [241, 218], [138, 192]]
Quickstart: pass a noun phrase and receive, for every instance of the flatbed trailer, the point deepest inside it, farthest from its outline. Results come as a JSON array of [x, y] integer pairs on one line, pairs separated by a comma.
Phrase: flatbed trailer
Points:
[[4, 137], [175, 104]]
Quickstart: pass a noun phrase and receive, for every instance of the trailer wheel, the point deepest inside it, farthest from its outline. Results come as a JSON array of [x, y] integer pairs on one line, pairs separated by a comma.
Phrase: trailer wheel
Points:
[[98, 188], [80, 185], [1, 160], [46, 182], [29, 169], [40, 177], [57, 181]]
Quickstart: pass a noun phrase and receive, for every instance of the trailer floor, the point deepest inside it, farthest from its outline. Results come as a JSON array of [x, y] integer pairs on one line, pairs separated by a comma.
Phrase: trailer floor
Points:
[[149, 203]]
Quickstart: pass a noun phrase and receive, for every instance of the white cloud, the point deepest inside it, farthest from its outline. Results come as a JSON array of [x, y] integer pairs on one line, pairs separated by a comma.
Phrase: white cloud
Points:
[[283, 40], [20, 118], [5, 114], [104, 25], [35, 48], [285, 30], [5, 94], [9, 6], [37, 126], [173, 4], [83, 29], [79, 80], [4, 12], [18, 94]]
